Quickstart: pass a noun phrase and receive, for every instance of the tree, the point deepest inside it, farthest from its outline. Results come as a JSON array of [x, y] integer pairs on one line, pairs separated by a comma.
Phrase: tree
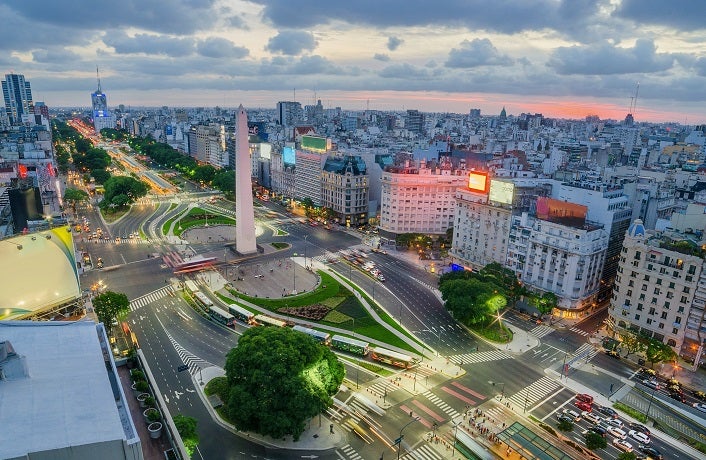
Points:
[[129, 187], [100, 175], [627, 456], [657, 352], [595, 441], [565, 425], [308, 205], [110, 306], [469, 300], [73, 195], [277, 379], [186, 426], [632, 343], [225, 181], [204, 173]]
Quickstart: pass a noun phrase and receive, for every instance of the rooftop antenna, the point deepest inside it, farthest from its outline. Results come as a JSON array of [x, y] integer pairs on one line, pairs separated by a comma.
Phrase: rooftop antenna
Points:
[[633, 99], [295, 95], [98, 77]]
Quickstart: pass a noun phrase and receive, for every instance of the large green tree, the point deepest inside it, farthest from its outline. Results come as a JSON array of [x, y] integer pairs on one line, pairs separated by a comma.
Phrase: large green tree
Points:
[[594, 440], [225, 181], [122, 190], [658, 352], [73, 195], [632, 343], [186, 426], [279, 378], [110, 306], [470, 300]]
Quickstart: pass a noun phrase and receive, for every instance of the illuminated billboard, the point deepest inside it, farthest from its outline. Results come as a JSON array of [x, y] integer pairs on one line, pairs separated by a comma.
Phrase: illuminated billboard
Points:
[[478, 182], [501, 191], [562, 212], [288, 156], [316, 143]]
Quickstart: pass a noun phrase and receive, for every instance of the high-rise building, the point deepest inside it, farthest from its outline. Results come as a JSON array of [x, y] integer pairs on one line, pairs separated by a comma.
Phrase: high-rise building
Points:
[[18, 97], [414, 121], [289, 113], [102, 118]]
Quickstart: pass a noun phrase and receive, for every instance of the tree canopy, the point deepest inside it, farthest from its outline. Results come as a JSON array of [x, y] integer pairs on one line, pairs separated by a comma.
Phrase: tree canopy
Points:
[[122, 190], [594, 440], [74, 195], [279, 378], [658, 351], [186, 426], [109, 306]]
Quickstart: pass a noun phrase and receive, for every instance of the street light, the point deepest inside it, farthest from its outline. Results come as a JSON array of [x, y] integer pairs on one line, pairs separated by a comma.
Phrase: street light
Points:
[[399, 440], [305, 241], [652, 398], [453, 448]]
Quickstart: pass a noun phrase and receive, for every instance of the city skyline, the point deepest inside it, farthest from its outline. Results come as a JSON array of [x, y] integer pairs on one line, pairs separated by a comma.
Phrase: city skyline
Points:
[[558, 58]]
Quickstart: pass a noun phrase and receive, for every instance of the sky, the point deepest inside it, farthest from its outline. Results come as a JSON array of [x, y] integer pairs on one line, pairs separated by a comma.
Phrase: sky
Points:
[[561, 58]]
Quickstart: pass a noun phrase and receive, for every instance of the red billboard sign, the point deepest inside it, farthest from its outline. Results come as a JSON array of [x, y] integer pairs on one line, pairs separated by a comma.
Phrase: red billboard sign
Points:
[[562, 212]]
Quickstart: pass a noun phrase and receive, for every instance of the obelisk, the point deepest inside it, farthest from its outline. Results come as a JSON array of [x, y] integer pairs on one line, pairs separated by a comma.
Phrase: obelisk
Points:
[[244, 213]]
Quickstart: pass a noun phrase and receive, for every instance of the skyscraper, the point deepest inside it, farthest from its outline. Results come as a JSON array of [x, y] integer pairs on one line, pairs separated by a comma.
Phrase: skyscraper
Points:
[[102, 118], [18, 97]]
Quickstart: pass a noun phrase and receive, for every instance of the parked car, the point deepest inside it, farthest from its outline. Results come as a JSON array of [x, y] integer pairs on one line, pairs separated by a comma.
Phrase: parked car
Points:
[[640, 428], [622, 445], [699, 406], [607, 411], [584, 406], [639, 436], [616, 432], [593, 418], [651, 451]]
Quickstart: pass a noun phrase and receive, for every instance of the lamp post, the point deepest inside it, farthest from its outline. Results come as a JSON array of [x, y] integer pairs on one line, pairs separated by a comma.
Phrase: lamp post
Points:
[[305, 241], [399, 440], [453, 448], [652, 398]]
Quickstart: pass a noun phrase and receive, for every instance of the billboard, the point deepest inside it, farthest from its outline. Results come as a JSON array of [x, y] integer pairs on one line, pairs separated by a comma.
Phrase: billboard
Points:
[[501, 191], [288, 155], [258, 129], [478, 182], [169, 131], [562, 212], [315, 143]]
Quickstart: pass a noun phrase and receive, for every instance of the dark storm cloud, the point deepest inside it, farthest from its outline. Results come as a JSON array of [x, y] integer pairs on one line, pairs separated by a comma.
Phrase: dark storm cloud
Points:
[[606, 59], [508, 16], [217, 47], [21, 34], [54, 56], [149, 44], [474, 53], [393, 43], [680, 14], [381, 57], [167, 16], [291, 42]]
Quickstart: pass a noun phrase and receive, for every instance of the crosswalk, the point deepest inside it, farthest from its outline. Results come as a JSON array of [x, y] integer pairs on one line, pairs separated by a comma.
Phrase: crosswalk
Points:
[[194, 362], [479, 357], [534, 393], [383, 388], [172, 259], [112, 241], [350, 453], [541, 330], [580, 331], [438, 402], [585, 352], [423, 452], [153, 296]]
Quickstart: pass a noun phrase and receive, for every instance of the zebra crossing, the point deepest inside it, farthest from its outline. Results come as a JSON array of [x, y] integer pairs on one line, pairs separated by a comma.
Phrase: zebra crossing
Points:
[[423, 452], [382, 388], [350, 453], [534, 393], [153, 296], [580, 331], [585, 352], [438, 402], [122, 241], [172, 259], [541, 330], [194, 362], [479, 357]]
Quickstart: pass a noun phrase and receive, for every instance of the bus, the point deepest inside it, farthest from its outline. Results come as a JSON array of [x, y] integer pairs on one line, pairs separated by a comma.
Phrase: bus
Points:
[[202, 299], [191, 286], [221, 316], [357, 347], [265, 320], [241, 314], [321, 337], [392, 357]]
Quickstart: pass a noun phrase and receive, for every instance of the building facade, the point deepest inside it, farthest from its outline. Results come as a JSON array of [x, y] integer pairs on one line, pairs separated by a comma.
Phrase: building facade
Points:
[[307, 176], [345, 187], [17, 94]]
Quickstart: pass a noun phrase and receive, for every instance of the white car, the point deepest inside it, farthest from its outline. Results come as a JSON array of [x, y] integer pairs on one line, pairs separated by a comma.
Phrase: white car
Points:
[[591, 417], [699, 406], [639, 436], [616, 432], [622, 445], [615, 422], [572, 413]]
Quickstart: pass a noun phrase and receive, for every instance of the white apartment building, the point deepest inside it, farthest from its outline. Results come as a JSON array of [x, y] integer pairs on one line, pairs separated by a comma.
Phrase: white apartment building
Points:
[[307, 176], [419, 199], [345, 187], [660, 288]]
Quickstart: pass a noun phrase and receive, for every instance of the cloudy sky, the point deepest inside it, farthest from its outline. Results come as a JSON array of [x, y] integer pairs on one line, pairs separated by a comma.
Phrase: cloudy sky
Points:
[[566, 58]]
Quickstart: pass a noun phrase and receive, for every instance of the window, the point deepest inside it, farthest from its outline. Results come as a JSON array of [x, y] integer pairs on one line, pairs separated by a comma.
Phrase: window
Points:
[[671, 285], [664, 315], [644, 287], [639, 306], [661, 326], [656, 291], [637, 255], [659, 281], [631, 283], [649, 320], [686, 289], [675, 330], [652, 311], [647, 277], [684, 299], [637, 317]]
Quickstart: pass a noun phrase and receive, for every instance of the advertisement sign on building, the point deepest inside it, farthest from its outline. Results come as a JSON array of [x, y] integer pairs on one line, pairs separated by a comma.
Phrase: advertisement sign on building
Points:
[[478, 182], [562, 212], [319, 144], [288, 156], [501, 191]]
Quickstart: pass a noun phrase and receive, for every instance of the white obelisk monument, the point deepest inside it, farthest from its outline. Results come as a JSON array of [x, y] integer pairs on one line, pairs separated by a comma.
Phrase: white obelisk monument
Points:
[[244, 214]]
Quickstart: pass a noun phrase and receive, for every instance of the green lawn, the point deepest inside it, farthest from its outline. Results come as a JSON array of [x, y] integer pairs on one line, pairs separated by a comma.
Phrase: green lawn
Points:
[[494, 332], [279, 245]]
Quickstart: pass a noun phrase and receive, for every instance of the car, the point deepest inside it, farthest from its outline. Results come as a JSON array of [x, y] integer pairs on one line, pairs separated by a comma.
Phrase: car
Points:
[[615, 422], [584, 406], [599, 430], [646, 371], [639, 436], [117, 239], [699, 395], [591, 417], [583, 397], [699, 406], [673, 382], [572, 413], [622, 445], [651, 451], [616, 432], [381, 278], [652, 384], [678, 396], [640, 428], [613, 354], [564, 418], [607, 411], [675, 389], [99, 263]]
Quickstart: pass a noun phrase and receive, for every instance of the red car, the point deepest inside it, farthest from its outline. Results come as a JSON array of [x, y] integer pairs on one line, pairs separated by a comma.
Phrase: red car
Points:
[[583, 406], [583, 397]]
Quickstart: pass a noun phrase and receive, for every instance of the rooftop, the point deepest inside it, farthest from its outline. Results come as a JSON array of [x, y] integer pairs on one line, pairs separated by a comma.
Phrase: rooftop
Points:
[[65, 398]]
